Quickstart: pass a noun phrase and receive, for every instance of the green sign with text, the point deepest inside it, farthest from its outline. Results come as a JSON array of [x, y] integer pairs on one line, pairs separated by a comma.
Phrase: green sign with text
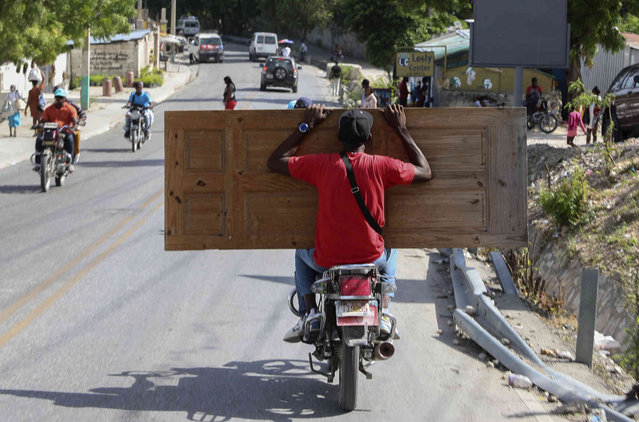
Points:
[[414, 63]]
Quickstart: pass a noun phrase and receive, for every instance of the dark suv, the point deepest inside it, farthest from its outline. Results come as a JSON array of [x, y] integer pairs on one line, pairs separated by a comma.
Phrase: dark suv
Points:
[[625, 109], [279, 71]]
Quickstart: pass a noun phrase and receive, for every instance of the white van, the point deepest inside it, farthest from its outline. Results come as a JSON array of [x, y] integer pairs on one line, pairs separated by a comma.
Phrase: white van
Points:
[[263, 44], [206, 47], [188, 26]]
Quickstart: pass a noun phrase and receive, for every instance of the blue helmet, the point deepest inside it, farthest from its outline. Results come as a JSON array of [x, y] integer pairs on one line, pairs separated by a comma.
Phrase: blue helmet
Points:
[[60, 92]]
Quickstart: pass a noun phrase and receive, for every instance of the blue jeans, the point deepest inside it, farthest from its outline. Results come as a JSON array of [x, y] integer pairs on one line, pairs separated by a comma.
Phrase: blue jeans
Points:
[[306, 271]]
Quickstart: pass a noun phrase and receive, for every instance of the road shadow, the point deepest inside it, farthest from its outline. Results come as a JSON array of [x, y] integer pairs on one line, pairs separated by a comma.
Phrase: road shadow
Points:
[[277, 390], [20, 188], [107, 150], [123, 163]]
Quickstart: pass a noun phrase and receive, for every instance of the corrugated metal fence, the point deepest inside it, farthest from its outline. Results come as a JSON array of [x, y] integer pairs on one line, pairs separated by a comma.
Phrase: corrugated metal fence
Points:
[[605, 67]]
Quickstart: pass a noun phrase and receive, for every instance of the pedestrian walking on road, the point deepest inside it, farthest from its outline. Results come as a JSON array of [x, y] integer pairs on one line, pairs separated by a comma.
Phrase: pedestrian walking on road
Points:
[[35, 74], [303, 51], [593, 113], [335, 76], [33, 103], [13, 105], [574, 120], [369, 100], [403, 91], [229, 94]]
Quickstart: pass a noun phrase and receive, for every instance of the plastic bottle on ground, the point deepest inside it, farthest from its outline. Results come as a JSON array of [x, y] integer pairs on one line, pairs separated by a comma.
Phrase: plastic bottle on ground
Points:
[[519, 381]]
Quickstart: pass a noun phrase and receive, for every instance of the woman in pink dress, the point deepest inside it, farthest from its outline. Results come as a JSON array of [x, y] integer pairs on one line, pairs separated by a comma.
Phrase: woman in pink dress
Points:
[[574, 120]]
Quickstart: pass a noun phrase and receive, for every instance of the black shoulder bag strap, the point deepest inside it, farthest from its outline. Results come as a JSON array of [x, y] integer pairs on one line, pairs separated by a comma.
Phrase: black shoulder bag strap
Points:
[[358, 196]]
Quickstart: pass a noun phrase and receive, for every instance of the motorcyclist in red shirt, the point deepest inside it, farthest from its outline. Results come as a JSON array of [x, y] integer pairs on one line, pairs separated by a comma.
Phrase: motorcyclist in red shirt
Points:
[[342, 234]]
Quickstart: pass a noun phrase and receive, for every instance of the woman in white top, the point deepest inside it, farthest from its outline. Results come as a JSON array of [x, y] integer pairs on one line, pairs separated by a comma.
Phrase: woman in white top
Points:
[[369, 100], [12, 107]]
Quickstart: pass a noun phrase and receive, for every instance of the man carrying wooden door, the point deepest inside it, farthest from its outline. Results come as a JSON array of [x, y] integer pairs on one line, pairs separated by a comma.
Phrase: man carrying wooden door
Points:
[[344, 233]]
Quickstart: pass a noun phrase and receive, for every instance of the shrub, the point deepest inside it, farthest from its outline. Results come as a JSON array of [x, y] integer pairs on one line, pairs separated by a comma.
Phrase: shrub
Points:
[[151, 78], [567, 204]]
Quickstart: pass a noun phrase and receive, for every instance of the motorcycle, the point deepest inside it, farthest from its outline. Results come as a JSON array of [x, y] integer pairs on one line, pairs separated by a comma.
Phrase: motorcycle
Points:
[[349, 337], [138, 123], [546, 119], [54, 160]]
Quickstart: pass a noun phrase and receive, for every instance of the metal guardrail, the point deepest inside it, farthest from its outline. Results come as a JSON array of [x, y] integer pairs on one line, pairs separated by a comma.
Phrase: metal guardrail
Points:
[[487, 327]]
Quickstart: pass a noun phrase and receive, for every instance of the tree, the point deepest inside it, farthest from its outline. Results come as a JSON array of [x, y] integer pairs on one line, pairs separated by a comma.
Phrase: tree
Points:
[[41, 30], [630, 24], [593, 24], [385, 25], [293, 19]]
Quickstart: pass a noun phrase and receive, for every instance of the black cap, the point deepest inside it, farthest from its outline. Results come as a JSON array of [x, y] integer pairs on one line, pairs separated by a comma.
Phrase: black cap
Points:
[[355, 127]]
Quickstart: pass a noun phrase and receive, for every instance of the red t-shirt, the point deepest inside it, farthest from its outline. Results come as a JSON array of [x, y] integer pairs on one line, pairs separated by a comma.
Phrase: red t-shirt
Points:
[[531, 88], [342, 234]]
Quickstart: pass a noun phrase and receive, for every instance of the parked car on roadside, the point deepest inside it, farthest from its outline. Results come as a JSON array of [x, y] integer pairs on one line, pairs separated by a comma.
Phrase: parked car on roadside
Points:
[[280, 72], [263, 44], [625, 108], [207, 46], [188, 26]]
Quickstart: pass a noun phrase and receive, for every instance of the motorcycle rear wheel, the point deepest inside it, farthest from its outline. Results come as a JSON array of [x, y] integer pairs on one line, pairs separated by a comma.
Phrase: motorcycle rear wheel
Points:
[[348, 367], [45, 174], [548, 123]]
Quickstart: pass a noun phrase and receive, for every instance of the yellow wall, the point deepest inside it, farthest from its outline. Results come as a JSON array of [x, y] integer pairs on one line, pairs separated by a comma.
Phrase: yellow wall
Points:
[[502, 79]]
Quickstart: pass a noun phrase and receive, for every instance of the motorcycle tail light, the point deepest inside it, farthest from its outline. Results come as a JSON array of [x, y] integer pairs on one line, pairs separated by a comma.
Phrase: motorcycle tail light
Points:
[[354, 286]]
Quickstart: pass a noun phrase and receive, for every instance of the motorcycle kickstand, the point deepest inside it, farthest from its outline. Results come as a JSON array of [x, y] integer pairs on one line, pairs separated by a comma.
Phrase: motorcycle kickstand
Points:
[[363, 370], [329, 376]]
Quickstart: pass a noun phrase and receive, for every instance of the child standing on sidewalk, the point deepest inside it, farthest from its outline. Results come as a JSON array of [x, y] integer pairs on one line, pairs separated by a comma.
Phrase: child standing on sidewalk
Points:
[[574, 120]]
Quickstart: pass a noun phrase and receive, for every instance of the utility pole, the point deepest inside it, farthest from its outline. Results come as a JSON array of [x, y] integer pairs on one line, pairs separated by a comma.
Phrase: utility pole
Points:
[[86, 71], [139, 23], [173, 12]]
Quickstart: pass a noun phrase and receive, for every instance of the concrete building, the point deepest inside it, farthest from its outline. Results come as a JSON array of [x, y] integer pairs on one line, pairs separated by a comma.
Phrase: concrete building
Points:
[[457, 83], [117, 55], [14, 74]]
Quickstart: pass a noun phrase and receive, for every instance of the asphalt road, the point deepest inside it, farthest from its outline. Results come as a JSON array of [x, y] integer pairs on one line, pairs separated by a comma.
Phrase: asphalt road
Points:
[[98, 322]]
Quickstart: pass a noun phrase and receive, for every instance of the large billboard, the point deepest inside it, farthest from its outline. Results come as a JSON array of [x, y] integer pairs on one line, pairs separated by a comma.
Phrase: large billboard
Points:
[[511, 33], [415, 63]]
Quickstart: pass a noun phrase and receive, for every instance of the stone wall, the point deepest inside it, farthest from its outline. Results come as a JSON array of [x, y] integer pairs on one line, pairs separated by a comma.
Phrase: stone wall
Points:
[[563, 273], [115, 58], [464, 98]]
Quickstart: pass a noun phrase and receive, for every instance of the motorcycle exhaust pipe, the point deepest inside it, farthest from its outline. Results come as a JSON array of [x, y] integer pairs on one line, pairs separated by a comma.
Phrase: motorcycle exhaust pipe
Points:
[[384, 350]]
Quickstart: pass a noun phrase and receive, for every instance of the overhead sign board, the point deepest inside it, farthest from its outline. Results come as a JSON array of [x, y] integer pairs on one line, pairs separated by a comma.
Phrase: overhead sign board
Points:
[[415, 63], [512, 33]]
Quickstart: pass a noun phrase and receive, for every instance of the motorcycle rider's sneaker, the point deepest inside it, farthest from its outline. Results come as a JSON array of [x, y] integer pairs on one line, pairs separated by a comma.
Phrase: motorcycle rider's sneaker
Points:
[[313, 324], [36, 168], [386, 327], [126, 134], [294, 335]]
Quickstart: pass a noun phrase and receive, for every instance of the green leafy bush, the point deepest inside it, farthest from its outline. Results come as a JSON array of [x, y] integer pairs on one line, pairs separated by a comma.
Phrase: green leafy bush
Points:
[[151, 78], [567, 203]]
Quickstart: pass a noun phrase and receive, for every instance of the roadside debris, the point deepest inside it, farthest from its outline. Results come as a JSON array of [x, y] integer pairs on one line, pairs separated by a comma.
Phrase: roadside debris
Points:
[[519, 381], [470, 310], [554, 353], [605, 344], [576, 407]]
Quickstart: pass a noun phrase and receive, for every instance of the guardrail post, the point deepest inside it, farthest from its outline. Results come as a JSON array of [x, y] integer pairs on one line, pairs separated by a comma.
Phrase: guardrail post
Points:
[[587, 315]]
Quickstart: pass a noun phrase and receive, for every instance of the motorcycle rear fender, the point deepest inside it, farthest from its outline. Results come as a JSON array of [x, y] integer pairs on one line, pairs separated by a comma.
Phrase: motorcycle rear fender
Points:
[[355, 336]]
